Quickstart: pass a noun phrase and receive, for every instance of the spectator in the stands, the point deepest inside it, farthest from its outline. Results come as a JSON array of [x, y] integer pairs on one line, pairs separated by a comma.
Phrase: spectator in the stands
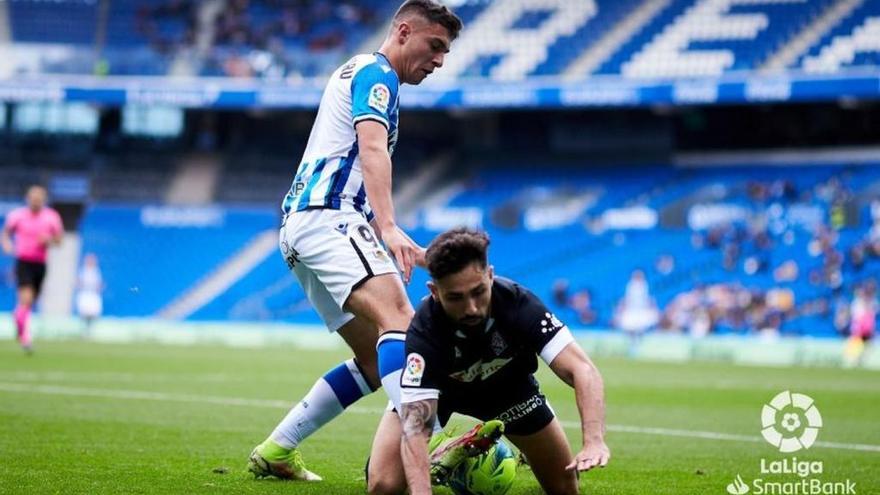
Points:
[[788, 271], [90, 286], [863, 312], [582, 304], [863, 322], [560, 292], [665, 264], [637, 312], [840, 315], [147, 23]]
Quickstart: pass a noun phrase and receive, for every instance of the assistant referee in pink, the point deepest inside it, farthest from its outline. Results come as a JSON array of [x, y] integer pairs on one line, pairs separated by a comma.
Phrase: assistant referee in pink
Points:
[[33, 228]]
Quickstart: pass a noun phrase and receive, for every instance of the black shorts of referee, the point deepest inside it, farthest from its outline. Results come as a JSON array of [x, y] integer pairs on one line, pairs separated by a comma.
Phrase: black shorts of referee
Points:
[[30, 274]]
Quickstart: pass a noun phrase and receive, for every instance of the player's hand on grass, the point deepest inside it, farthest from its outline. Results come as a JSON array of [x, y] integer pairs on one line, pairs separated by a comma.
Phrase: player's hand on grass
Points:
[[405, 252], [595, 454]]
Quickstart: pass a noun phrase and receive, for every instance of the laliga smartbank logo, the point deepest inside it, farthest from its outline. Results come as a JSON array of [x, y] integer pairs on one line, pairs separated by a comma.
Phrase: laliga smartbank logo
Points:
[[790, 422]]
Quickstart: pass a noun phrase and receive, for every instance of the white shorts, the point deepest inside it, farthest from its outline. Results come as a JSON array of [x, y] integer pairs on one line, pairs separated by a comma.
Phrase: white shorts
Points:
[[332, 253], [89, 304]]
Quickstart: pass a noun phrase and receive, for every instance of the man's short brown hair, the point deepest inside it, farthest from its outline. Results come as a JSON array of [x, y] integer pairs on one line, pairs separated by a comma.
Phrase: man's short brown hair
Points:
[[431, 11], [454, 250]]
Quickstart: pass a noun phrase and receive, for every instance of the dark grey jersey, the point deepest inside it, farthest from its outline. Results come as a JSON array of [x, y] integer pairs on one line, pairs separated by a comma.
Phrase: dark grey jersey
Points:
[[475, 367]]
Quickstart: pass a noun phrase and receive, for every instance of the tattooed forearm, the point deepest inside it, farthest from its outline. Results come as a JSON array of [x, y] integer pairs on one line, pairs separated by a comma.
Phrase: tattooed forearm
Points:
[[418, 417]]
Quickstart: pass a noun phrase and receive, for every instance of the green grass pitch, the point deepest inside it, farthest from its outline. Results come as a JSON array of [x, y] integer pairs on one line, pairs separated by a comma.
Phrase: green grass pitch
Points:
[[79, 417]]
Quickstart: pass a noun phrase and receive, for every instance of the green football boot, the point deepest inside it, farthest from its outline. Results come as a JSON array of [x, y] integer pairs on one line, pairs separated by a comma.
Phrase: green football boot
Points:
[[447, 453], [271, 459]]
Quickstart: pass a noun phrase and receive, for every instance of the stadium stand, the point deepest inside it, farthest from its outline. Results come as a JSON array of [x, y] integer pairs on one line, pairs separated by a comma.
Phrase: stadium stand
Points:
[[754, 247], [512, 40], [769, 220], [734, 249], [151, 255]]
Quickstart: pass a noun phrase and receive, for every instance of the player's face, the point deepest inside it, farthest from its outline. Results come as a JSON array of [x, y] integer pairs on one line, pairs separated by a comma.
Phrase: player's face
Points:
[[466, 295], [36, 198], [424, 47]]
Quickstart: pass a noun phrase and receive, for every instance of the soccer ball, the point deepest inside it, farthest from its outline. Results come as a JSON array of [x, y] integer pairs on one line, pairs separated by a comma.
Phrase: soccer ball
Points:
[[491, 473]]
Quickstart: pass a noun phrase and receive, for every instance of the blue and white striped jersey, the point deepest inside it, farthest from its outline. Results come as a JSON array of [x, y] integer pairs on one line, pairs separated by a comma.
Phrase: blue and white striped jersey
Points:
[[330, 175]]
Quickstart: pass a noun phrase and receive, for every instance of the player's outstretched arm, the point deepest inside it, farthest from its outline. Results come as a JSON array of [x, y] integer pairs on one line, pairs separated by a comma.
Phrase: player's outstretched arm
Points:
[[418, 419], [376, 164], [577, 370]]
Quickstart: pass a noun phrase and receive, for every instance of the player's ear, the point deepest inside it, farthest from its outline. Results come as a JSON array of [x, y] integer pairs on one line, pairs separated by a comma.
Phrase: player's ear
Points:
[[433, 288], [491, 273], [404, 31]]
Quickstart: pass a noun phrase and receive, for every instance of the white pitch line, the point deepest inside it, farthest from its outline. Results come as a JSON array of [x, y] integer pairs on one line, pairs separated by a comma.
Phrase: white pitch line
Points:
[[141, 395], [711, 435], [280, 404]]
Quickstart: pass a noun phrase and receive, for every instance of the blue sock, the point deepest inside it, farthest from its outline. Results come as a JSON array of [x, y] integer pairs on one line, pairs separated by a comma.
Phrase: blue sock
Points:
[[391, 351], [330, 395]]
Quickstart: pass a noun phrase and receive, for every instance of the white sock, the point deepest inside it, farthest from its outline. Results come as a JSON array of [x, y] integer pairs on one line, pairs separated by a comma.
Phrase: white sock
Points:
[[330, 395]]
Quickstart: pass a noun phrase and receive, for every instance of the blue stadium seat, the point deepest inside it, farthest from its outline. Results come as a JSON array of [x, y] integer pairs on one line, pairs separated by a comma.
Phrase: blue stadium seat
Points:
[[566, 49], [652, 29], [64, 21], [869, 9], [146, 267], [785, 20]]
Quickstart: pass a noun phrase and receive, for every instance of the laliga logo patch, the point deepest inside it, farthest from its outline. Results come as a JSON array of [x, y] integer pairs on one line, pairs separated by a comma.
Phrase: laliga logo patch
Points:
[[380, 97], [550, 323], [381, 255], [415, 368], [790, 422]]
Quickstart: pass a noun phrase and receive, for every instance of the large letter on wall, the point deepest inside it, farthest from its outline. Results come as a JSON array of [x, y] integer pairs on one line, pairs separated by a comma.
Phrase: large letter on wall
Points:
[[843, 49], [522, 50], [667, 55]]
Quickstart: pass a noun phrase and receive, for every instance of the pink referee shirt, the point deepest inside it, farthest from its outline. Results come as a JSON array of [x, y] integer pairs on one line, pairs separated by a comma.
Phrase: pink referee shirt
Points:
[[31, 232]]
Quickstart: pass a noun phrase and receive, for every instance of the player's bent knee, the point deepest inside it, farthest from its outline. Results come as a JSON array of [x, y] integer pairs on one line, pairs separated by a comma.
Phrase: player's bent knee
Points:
[[564, 485], [399, 315], [385, 485], [396, 315], [384, 481]]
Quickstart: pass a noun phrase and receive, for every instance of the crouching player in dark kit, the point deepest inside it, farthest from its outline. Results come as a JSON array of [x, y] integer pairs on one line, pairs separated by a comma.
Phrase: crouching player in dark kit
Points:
[[472, 348]]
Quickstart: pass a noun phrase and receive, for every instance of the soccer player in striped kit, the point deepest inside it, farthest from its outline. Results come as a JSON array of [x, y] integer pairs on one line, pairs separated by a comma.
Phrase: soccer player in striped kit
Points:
[[33, 228], [339, 232]]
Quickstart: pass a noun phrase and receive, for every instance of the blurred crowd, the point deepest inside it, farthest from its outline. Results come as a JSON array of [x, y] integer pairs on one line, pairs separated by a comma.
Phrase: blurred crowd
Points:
[[150, 18], [764, 280], [255, 38]]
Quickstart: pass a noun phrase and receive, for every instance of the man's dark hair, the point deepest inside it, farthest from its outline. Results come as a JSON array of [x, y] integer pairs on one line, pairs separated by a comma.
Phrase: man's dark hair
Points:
[[432, 11], [453, 250]]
